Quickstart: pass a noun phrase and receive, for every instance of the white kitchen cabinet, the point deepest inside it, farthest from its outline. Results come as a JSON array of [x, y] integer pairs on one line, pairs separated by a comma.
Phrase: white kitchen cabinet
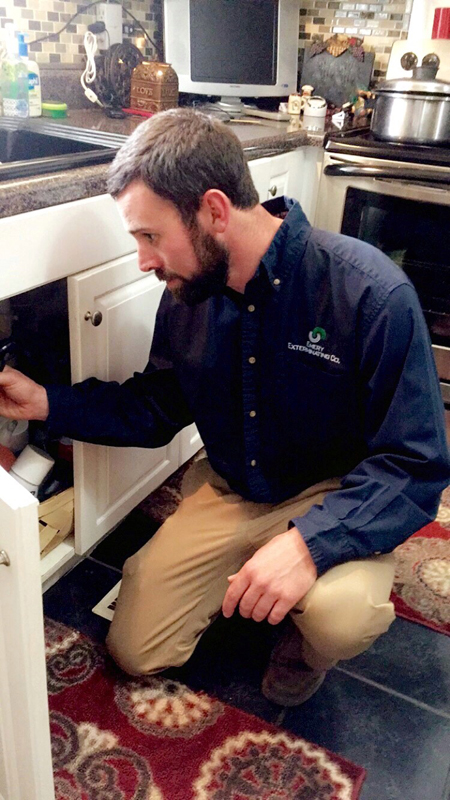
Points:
[[110, 481], [295, 174], [25, 755], [190, 443], [47, 244], [310, 170], [276, 176]]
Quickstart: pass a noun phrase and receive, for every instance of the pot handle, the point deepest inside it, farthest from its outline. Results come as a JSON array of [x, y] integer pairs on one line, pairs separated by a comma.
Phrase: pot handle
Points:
[[357, 171]]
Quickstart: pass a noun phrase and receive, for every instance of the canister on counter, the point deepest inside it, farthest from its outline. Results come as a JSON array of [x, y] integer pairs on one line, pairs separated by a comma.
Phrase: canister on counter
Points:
[[154, 87]]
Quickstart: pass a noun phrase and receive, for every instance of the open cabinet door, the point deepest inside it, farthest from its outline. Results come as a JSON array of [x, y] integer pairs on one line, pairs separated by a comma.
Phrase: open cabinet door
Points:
[[25, 749]]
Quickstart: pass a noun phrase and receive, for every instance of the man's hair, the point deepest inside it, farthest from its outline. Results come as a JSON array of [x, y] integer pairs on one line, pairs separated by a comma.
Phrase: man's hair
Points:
[[180, 154]]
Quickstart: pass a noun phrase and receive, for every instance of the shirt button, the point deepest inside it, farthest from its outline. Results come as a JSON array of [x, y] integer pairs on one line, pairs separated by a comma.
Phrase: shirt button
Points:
[[253, 413], [253, 463], [276, 282], [252, 360], [251, 308]]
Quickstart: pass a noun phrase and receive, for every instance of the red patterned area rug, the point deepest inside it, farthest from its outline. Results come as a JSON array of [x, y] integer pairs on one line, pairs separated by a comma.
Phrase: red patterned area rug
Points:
[[422, 573], [115, 737]]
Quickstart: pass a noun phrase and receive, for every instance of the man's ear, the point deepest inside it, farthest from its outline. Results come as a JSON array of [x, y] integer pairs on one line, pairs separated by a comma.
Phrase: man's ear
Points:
[[214, 212]]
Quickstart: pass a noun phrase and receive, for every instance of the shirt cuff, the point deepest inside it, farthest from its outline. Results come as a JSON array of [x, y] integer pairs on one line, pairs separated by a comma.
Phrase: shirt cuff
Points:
[[328, 545]]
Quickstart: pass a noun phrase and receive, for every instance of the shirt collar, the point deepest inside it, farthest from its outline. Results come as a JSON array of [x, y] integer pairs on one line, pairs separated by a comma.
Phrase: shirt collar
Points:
[[237, 298], [289, 242]]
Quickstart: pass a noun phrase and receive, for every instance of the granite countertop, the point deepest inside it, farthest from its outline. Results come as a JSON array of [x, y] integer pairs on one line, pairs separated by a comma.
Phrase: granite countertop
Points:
[[260, 138]]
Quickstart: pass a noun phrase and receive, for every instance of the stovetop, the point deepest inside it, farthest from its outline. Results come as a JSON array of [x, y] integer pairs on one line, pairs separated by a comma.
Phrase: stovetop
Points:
[[361, 142]]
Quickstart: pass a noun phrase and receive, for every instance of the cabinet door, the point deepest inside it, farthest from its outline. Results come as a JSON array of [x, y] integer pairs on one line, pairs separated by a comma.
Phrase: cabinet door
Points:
[[110, 481], [307, 180], [278, 175], [190, 443], [295, 174], [25, 750]]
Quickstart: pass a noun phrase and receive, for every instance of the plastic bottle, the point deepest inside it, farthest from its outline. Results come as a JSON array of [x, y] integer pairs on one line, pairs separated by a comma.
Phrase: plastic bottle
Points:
[[34, 80], [14, 81]]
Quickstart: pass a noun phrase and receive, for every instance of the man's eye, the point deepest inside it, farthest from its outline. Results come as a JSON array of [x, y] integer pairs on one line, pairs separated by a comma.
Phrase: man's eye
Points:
[[150, 237]]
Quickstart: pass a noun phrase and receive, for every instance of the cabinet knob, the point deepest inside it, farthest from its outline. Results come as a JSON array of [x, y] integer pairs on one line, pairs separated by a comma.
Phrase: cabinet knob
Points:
[[95, 317], [273, 191], [4, 558]]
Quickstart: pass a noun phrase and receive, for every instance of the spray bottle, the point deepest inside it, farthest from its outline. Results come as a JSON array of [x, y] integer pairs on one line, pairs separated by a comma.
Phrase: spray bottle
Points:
[[14, 80], [34, 79]]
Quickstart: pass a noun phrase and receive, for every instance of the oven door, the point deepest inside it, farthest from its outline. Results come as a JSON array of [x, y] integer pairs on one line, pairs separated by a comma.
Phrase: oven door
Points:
[[404, 210]]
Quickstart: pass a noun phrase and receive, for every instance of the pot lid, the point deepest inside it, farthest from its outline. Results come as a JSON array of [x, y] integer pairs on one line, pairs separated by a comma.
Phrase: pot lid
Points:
[[411, 86]]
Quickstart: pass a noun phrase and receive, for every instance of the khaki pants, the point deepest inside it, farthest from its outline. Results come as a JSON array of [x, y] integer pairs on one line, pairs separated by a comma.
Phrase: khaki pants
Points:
[[173, 588]]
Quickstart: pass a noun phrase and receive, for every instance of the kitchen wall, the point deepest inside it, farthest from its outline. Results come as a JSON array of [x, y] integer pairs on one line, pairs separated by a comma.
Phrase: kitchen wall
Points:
[[41, 17], [379, 24]]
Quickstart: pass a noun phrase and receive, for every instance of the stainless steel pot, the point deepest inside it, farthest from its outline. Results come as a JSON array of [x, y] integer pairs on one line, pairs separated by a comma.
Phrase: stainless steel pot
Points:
[[408, 110]]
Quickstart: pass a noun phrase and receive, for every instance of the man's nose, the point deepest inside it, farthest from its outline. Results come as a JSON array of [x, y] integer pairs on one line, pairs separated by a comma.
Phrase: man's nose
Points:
[[148, 259]]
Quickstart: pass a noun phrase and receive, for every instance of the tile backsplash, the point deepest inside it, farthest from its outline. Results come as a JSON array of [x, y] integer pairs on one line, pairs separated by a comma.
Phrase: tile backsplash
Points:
[[39, 18], [378, 23]]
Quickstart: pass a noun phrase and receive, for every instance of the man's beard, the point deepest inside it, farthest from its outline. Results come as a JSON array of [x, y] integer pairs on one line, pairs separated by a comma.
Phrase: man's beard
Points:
[[212, 274]]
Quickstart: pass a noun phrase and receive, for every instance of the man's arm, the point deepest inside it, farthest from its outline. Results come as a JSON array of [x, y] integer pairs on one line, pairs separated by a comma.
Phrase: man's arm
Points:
[[145, 411], [395, 490]]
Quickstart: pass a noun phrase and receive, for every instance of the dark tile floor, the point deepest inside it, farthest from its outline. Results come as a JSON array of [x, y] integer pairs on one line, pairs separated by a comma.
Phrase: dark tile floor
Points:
[[387, 710]]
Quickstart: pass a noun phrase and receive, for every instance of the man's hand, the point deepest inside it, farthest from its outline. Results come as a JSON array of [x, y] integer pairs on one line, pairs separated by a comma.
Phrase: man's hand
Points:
[[20, 397], [273, 580]]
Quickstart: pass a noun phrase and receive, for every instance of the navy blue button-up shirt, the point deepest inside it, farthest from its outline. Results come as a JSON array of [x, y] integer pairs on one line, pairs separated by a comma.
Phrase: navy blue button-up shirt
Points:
[[323, 367]]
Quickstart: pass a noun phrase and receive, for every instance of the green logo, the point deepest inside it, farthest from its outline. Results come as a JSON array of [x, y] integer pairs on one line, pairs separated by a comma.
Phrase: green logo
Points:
[[316, 335]]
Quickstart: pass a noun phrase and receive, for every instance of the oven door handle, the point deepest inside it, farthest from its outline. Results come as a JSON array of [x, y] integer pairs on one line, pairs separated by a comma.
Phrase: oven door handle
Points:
[[357, 171]]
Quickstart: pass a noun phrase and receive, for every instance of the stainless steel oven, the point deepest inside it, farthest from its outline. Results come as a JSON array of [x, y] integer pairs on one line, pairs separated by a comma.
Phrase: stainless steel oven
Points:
[[397, 198]]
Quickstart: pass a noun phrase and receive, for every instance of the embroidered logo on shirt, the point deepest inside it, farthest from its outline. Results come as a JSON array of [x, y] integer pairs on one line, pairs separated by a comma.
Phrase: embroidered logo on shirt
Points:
[[316, 335], [314, 348]]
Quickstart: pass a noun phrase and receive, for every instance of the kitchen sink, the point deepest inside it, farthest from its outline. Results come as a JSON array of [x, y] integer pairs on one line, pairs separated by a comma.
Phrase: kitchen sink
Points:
[[31, 148]]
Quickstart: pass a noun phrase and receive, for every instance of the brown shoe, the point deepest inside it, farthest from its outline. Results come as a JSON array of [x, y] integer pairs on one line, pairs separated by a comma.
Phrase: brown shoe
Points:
[[288, 681]]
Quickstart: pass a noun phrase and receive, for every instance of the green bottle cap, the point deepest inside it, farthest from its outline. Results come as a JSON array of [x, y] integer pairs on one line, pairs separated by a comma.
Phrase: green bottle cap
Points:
[[55, 110]]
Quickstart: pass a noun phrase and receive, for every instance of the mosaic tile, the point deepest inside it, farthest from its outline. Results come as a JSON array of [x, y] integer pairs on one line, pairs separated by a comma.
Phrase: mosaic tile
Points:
[[319, 19], [41, 17]]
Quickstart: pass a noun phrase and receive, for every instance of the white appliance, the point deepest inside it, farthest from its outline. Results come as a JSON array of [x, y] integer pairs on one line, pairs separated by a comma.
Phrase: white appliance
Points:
[[421, 47], [396, 196], [233, 50]]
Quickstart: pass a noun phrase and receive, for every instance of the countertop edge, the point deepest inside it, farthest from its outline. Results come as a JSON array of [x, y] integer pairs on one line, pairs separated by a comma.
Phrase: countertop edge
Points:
[[24, 195]]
